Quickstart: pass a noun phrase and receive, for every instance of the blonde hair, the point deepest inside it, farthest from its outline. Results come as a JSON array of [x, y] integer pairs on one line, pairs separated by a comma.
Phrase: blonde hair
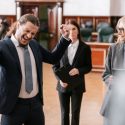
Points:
[[121, 20]]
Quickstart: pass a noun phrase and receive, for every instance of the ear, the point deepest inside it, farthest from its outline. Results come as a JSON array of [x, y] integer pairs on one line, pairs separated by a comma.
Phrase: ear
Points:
[[17, 25]]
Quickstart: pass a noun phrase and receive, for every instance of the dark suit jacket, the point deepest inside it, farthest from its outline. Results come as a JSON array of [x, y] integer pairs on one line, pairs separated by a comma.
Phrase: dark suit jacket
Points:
[[11, 77], [82, 61]]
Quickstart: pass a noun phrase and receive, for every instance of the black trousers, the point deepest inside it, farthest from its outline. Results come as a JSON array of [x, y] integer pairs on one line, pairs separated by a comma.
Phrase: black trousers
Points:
[[65, 99], [26, 112]]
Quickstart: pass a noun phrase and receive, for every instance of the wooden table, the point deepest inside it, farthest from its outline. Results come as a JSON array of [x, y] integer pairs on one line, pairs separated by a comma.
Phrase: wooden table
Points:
[[99, 53]]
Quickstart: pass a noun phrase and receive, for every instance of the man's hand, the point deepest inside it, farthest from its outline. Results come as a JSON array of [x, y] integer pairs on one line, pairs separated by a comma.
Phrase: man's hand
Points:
[[64, 30]]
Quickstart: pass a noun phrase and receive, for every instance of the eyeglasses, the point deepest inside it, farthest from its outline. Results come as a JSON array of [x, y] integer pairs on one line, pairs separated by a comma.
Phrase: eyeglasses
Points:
[[120, 29]]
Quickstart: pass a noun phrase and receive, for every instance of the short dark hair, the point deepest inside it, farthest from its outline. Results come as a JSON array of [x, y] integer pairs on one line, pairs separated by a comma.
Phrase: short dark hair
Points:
[[29, 18]]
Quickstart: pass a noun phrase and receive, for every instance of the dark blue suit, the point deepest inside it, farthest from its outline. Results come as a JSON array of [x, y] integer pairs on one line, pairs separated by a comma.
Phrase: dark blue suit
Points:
[[11, 76]]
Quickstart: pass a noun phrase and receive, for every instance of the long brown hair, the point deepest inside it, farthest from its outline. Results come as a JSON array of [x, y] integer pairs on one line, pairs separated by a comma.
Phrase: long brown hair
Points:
[[73, 22]]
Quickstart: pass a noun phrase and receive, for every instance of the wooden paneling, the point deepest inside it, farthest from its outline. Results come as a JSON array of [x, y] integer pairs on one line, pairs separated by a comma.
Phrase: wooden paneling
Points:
[[101, 20], [82, 19], [10, 18], [39, 1]]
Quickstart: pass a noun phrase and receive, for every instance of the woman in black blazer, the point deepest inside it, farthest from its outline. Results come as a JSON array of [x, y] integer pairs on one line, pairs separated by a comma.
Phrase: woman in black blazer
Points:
[[78, 58]]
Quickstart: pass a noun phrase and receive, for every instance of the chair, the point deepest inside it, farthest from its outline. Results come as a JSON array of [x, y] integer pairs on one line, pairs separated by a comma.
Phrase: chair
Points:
[[86, 34], [101, 25], [106, 34], [89, 24]]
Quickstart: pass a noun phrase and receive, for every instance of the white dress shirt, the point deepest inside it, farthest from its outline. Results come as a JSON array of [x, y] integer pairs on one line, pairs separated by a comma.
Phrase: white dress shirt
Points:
[[72, 48], [23, 93]]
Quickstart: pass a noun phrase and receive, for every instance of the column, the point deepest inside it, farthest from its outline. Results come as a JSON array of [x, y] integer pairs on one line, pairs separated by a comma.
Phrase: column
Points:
[[59, 17], [18, 10]]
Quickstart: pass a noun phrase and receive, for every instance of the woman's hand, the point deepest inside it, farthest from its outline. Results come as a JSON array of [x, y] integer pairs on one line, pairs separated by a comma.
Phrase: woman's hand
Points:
[[64, 85], [110, 78], [110, 81], [73, 72]]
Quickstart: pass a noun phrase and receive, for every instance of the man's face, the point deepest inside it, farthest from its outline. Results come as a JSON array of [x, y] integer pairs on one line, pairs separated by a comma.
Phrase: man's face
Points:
[[26, 32]]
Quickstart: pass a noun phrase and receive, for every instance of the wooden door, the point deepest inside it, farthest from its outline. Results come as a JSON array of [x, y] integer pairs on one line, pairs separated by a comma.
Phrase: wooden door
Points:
[[48, 15]]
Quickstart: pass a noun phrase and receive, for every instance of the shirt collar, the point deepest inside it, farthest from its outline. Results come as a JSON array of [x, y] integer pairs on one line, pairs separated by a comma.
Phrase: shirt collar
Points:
[[75, 44], [15, 42]]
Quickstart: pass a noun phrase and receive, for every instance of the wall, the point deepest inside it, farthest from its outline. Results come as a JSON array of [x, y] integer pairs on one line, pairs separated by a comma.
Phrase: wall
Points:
[[77, 7], [87, 7], [117, 7], [94, 8], [7, 7]]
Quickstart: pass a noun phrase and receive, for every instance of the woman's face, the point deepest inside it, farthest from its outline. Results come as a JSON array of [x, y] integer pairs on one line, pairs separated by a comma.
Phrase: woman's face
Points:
[[73, 33]]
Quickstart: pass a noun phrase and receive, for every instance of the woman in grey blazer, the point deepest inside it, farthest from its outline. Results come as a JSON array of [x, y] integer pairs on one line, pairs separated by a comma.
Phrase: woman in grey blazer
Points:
[[113, 108]]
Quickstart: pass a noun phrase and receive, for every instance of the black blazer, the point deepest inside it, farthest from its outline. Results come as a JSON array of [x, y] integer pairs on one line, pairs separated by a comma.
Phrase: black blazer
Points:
[[11, 76], [82, 61]]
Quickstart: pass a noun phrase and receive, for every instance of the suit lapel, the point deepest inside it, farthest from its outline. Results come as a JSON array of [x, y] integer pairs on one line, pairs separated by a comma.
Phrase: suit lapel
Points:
[[13, 51], [34, 50], [65, 59], [35, 53], [77, 55]]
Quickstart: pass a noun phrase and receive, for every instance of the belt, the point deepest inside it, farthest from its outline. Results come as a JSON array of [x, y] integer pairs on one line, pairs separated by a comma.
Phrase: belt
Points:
[[28, 100]]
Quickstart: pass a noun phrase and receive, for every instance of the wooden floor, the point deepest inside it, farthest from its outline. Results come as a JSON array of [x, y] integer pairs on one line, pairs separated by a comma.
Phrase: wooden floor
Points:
[[91, 103]]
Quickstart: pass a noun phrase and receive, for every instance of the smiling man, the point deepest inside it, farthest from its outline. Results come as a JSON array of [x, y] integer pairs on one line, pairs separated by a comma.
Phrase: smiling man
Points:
[[18, 104]]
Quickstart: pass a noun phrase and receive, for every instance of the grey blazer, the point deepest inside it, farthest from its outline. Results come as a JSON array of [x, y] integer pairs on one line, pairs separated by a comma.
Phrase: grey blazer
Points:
[[114, 61]]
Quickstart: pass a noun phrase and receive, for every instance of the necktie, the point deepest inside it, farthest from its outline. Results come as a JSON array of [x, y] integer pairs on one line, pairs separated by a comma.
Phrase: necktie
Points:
[[28, 71]]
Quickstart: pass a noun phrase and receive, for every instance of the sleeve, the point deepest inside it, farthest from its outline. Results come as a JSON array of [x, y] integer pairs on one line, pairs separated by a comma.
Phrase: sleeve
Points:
[[108, 66], [56, 54], [54, 68], [87, 66]]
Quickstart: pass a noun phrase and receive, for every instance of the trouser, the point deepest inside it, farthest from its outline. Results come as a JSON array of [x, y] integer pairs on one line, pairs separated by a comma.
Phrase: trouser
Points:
[[76, 99], [26, 112]]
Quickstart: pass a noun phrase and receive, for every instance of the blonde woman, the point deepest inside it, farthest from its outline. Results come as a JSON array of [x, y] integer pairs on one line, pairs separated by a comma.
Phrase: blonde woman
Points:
[[113, 108]]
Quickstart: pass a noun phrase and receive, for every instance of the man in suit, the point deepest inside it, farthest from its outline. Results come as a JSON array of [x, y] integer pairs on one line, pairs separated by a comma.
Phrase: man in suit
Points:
[[78, 58], [17, 105]]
